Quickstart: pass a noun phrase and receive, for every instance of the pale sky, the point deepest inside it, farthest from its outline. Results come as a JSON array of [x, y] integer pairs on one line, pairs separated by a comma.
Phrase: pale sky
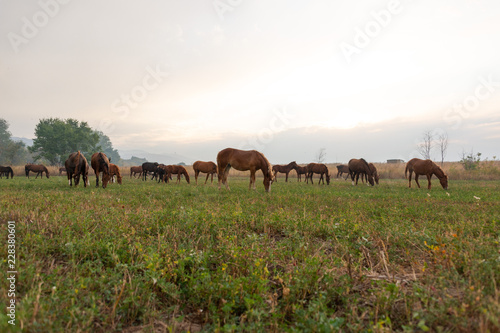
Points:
[[358, 78]]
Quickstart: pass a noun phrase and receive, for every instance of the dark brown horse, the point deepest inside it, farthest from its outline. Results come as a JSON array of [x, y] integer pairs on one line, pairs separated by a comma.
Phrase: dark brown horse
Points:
[[320, 169], [364, 176], [341, 169], [301, 170], [114, 170], [284, 169], [100, 163], [374, 171], [210, 168], [135, 170], [244, 160], [359, 167], [76, 166], [38, 168], [149, 167], [428, 168], [6, 171], [61, 170], [177, 170]]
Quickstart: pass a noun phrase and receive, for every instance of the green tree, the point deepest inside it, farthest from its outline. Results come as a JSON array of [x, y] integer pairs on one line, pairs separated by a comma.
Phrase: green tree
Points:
[[55, 139], [107, 148], [11, 152]]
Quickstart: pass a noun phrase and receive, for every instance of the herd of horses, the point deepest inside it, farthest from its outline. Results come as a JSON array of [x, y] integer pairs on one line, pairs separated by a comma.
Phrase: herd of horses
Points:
[[76, 166]]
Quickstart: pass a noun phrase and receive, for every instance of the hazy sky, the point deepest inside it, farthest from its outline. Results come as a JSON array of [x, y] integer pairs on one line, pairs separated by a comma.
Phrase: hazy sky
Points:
[[358, 78]]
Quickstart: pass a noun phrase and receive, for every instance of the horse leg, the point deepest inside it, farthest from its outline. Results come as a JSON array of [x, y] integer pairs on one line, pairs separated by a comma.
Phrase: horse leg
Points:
[[206, 179], [252, 180], [416, 179], [351, 173], [429, 181], [286, 179], [97, 179]]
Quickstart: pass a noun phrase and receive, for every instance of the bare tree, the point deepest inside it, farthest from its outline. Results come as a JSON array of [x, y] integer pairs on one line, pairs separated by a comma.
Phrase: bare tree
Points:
[[443, 145], [424, 148], [321, 155]]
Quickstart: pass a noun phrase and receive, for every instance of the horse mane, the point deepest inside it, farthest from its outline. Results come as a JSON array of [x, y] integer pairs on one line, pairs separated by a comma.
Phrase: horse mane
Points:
[[437, 170], [103, 162], [366, 164], [269, 166]]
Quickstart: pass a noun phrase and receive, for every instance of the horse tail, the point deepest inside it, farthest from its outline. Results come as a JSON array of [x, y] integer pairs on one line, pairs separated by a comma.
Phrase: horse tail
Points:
[[11, 172]]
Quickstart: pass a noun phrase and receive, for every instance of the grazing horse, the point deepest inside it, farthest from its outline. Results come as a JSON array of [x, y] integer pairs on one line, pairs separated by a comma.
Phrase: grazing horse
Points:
[[341, 169], [38, 168], [244, 160], [210, 168], [61, 170], [149, 167], [428, 168], [135, 170], [114, 170], [319, 168], [7, 171], [100, 163], [301, 170], [360, 166], [177, 170], [77, 165], [374, 173], [284, 169]]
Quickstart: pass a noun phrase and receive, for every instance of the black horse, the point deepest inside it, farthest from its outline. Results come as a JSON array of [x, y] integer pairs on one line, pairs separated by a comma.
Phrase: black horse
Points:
[[6, 171], [149, 167]]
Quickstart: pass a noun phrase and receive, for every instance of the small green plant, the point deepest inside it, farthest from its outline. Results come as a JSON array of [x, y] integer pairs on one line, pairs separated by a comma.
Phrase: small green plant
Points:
[[470, 161]]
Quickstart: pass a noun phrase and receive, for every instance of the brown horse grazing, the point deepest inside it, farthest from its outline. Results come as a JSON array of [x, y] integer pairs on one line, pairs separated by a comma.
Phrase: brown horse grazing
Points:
[[319, 168], [428, 168], [7, 171], [177, 170], [341, 169], [301, 170], [135, 170], [114, 170], [359, 167], [364, 176], [244, 160], [100, 163], [38, 168], [210, 168], [76, 166], [284, 169]]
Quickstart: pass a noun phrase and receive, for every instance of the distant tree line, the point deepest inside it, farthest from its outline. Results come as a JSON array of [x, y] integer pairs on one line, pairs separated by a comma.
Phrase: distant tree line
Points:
[[11, 152], [54, 140]]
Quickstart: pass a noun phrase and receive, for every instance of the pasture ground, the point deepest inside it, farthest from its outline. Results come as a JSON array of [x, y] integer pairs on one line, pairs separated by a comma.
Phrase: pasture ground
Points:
[[148, 257]]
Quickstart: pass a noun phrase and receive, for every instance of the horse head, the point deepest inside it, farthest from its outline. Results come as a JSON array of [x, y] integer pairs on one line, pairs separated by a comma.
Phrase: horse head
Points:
[[444, 181]]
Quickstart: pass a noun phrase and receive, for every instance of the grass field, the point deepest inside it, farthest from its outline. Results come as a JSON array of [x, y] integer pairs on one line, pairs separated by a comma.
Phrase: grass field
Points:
[[304, 258]]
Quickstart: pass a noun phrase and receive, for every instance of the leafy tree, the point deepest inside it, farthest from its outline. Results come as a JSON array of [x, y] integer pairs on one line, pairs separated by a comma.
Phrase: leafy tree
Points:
[[55, 139], [11, 152], [107, 148]]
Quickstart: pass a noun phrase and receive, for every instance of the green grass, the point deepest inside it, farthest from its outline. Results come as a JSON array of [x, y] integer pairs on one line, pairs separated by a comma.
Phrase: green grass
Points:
[[301, 258]]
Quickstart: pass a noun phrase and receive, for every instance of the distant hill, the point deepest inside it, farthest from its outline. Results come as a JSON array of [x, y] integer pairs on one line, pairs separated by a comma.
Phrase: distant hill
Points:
[[152, 157], [26, 141], [133, 161]]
